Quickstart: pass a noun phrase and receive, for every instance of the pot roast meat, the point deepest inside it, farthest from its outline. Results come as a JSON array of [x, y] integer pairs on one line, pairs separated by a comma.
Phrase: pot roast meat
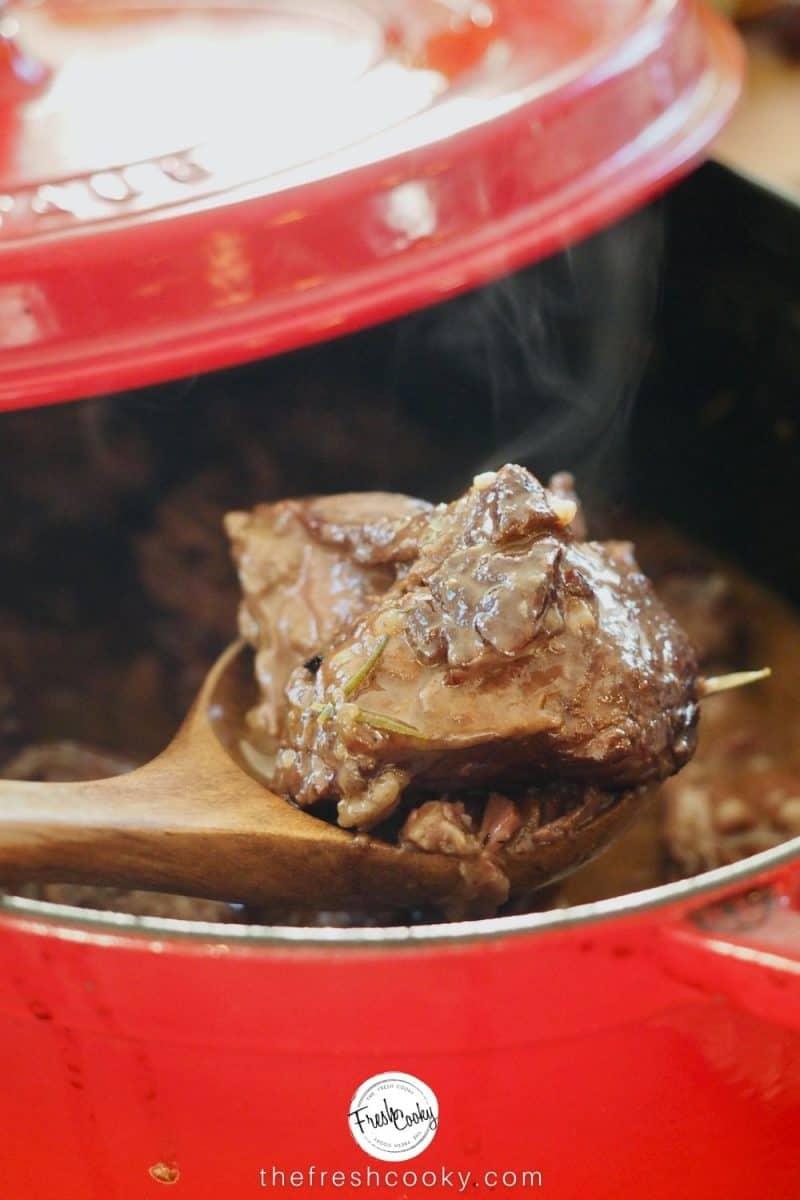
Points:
[[307, 569], [507, 653], [487, 831], [471, 828]]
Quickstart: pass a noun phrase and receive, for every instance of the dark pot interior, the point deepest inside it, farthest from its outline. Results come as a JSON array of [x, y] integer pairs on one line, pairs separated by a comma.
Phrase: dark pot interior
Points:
[[658, 361]]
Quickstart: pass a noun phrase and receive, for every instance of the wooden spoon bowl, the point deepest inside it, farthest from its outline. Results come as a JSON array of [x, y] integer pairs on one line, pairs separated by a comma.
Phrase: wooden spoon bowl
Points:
[[195, 822]]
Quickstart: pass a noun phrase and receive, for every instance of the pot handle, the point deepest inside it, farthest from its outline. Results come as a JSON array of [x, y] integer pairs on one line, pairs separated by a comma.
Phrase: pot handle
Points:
[[745, 946]]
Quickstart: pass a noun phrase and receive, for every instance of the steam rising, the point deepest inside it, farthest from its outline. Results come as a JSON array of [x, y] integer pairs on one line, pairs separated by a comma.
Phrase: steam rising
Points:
[[547, 362]]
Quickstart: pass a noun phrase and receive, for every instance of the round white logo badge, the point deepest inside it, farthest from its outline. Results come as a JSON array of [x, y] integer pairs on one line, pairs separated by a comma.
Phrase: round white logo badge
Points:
[[394, 1116]]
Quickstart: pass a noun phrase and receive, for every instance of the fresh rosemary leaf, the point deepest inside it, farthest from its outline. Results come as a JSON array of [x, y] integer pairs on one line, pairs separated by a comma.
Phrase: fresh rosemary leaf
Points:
[[365, 670], [388, 724]]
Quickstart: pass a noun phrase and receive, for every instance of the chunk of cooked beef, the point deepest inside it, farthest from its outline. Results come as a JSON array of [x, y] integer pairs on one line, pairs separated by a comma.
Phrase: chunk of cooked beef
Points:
[[308, 569], [472, 824], [446, 827], [506, 653], [487, 832]]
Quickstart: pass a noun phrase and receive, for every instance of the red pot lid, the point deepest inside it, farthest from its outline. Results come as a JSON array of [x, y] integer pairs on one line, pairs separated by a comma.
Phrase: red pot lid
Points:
[[188, 186]]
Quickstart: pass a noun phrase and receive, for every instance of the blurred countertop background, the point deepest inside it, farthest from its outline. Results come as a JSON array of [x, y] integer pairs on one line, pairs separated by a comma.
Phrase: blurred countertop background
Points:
[[763, 139]]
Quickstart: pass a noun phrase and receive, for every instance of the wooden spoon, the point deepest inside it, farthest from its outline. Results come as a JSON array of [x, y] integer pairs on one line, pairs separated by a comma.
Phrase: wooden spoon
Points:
[[194, 822]]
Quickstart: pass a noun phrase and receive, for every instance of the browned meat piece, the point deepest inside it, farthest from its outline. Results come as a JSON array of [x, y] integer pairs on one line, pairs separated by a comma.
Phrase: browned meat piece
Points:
[[54, 762], [479, 829], [507, 653], [308, 569], [739, 796], [501, 820], [476, 823], [489, 833], [446, 827], [441, 827]]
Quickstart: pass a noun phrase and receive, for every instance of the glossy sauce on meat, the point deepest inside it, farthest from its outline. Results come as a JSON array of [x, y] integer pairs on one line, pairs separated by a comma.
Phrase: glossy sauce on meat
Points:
[[307, 569], [739, 794], [508, 653]]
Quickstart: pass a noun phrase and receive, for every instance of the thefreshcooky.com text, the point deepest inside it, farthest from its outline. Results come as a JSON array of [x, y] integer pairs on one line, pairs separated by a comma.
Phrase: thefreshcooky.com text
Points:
[[457, 1181]]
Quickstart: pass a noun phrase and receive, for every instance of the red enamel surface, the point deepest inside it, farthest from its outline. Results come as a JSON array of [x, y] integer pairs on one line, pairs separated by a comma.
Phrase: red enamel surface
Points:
[[168, 205], [652, 1055]]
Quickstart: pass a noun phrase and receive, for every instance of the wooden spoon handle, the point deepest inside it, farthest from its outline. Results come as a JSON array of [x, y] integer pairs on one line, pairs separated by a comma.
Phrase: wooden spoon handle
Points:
[[255, 849], [118, 833], [192, 822], [105, 831]]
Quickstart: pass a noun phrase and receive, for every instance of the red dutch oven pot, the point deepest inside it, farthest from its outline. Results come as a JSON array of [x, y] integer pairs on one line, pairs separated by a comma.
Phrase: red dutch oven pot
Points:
[[647, 1046]]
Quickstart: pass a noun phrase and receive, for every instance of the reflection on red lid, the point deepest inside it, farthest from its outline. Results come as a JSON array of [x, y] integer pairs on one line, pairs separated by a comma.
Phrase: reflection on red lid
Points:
[[199, 185]]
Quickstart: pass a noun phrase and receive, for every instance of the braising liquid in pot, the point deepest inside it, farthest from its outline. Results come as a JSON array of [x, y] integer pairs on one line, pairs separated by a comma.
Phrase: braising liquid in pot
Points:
[[740, 794]]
